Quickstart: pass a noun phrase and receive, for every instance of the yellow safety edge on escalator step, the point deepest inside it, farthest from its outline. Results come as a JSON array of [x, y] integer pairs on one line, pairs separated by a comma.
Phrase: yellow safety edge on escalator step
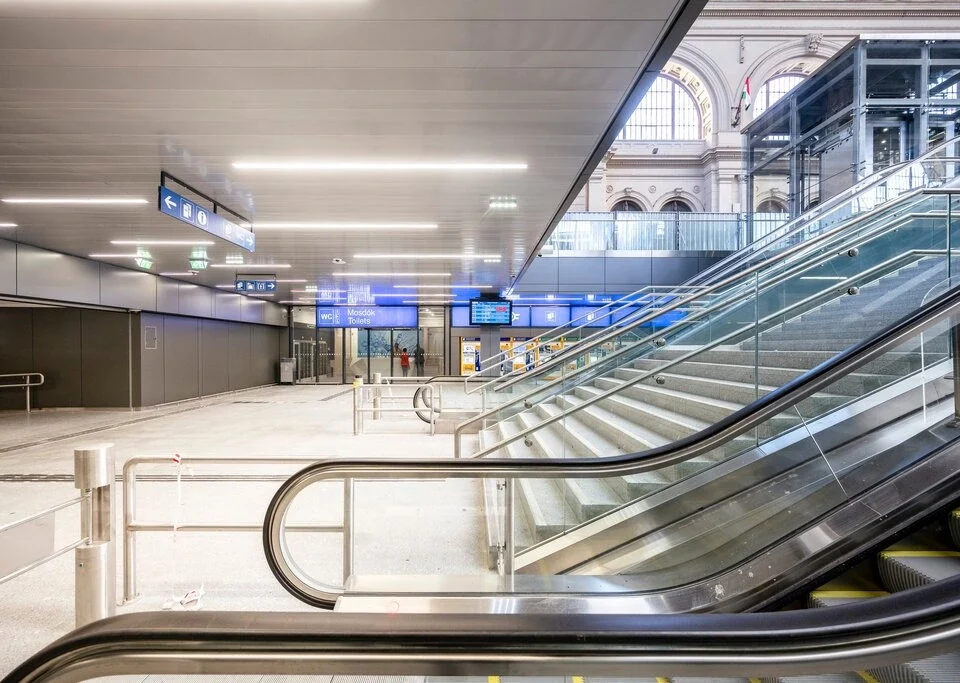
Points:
[[920, 553], [493, 679], [850, 594], [868, 678]]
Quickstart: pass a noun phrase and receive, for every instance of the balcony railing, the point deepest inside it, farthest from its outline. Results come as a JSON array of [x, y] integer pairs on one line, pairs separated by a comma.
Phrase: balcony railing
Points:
[[655, 231]]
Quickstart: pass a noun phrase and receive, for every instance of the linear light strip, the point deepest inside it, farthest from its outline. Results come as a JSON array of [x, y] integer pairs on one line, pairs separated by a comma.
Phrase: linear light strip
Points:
[[344, 226], [163, 243], [8, 225], [374, 166], [116, 256], [248, 266], [72, 200], [443, 286], [465, 257], [359, 274]]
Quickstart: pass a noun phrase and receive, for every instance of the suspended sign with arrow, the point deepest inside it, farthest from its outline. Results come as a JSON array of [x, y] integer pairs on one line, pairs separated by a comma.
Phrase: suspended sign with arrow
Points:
[[191, 213], [256, 286]]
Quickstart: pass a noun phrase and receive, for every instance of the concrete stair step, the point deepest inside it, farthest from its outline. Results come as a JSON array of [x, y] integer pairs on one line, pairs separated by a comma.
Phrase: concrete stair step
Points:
[[896, 363], [587, 497], [693, 405], [540, 502], [596, 445]]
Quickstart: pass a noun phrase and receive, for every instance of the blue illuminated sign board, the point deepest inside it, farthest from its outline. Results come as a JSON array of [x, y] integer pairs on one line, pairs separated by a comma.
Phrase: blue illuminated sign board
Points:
[[591, 316], [191, 213], [256, 286], [367, 316], [549, 316]]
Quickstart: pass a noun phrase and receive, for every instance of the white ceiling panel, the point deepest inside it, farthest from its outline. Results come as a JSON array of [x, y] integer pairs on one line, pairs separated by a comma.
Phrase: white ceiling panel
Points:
[[98, 97]]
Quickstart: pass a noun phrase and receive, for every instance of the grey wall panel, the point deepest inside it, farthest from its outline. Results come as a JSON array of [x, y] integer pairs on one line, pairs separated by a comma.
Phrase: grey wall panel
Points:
[[196, 300], [265, 359], [8, 267], [586, 271], [240, 356], [543, 274], [214, 357], [181, 358], [16, 351], [670, 270], [275, 315], [628, 274], [57, 354], [105, 359], [151, 359], [127, 288], [168, 295], [227, 306], [252, 309], [47, 275]]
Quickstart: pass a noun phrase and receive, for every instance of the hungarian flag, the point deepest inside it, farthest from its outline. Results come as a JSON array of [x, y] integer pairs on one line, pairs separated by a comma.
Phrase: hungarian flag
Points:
[[745, 95]]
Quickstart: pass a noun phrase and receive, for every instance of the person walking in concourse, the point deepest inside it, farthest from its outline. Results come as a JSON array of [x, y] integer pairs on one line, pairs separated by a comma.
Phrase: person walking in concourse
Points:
[[405, 362]]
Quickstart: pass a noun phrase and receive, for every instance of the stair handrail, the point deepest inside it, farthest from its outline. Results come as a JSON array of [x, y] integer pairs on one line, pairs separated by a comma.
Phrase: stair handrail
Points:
[[788, 229], [711, 437], [908, 626], [743, 275]]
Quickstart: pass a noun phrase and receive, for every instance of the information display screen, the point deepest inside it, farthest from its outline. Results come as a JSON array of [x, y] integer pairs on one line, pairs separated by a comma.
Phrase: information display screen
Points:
[[491, 312]]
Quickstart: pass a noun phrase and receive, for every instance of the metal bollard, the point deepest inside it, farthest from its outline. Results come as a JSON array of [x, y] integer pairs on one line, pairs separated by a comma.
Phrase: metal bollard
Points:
[[96, 560], [377, 380], [357, 405]]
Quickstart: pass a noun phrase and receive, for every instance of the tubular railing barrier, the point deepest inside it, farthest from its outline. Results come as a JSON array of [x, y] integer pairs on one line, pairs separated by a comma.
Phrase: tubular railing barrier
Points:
[[370, 398], [132, 526], [30, 542], [27, 383]]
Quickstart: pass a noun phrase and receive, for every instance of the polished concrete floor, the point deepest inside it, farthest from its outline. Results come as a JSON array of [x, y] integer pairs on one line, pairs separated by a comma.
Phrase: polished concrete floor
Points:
[[431, 527]]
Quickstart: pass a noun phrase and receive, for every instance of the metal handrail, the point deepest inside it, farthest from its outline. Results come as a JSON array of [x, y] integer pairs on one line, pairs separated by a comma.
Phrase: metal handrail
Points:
[[789, 229], [908, 626], [742, 275], [27, 384], [683, 358], [708, 439]]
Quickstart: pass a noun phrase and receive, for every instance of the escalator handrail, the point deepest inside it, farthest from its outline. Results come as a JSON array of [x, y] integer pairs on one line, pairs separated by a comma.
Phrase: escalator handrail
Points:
[[708, 439], [722, 267], [916, 624]]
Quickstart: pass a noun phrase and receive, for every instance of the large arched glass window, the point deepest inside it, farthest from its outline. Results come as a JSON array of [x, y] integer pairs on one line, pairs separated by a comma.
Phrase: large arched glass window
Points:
[[676, 206], [627, 205], [667, 112], [774, 89]]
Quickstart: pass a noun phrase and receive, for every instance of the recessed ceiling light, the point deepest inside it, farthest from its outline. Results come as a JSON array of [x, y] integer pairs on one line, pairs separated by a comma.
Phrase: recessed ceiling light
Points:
[[233, 286], [115, 255], [344, 226], [247, 266], [503, 202], [291, 281], [443, 286], [432, 303], [164, 243], [72, 200], [376, 166], [391, 274], [187, 274], [465, 257], [8, 225]]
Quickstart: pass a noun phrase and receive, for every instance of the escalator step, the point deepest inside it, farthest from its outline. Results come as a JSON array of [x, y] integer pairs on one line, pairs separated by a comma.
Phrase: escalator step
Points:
[[954, 524], [832, 598], [828, 678], [902, 570], [942, 669]]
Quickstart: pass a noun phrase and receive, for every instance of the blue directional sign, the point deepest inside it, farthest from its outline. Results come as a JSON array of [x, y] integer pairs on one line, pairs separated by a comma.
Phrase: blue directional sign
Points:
[[191, 213], [367, 316], [256, 286]]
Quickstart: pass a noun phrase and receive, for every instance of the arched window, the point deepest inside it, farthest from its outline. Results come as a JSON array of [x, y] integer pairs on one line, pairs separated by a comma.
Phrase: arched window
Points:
[[667, 112], [774, 89], [676, 206], [771, 206], [627, 205]]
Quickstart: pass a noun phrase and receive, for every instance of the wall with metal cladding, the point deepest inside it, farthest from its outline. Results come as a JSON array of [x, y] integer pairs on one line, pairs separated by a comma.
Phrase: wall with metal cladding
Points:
[[85, 356], [34, 273], [187, 357], [612, 272]]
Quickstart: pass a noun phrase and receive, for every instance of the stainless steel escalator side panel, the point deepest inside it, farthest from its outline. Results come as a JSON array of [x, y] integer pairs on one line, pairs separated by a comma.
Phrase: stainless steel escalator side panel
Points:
[[802, 558], [619, 527]]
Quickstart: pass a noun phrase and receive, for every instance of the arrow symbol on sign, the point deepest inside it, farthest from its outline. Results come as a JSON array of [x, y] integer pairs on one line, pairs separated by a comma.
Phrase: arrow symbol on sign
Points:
[[271, 286], [170, 203]]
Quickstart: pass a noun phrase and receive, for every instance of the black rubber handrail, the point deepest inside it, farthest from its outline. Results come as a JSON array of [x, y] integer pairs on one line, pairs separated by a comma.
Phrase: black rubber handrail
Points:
[[916, 624]]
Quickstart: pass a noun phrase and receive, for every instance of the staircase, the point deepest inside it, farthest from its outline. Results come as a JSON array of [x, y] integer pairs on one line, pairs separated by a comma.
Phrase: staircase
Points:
[[689, 396]]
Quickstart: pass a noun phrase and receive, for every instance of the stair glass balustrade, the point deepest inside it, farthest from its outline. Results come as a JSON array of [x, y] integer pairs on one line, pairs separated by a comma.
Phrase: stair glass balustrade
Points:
[[656, 386], [936, 168]]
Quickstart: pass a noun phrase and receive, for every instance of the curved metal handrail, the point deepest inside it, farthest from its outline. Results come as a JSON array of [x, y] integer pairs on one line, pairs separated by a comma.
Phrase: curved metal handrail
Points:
[[916, 624], [788, 229], [732, 426]]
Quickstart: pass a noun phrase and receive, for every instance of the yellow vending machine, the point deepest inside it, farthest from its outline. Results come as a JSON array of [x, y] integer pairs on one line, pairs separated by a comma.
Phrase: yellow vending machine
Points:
[[469, 356]]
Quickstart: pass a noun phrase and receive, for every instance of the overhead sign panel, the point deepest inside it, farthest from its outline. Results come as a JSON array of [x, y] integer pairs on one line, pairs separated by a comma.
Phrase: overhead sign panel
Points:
[[256, 286], [366, 316], [191, 213]]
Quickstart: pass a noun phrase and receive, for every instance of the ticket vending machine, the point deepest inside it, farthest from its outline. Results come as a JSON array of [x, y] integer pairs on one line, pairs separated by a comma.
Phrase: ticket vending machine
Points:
[[469, 355]]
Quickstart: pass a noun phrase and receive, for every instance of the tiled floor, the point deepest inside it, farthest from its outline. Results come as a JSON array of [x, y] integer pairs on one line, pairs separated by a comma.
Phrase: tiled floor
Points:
[[401, 527]]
